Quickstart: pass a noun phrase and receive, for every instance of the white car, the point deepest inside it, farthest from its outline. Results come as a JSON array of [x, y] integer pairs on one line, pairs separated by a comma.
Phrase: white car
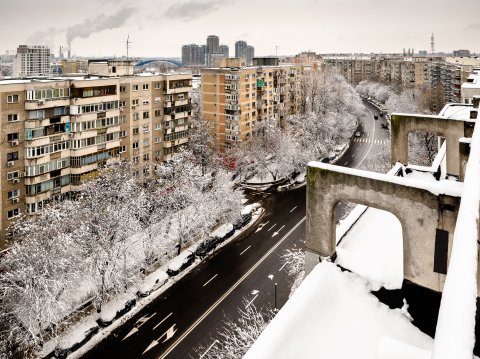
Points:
[[152, 282]]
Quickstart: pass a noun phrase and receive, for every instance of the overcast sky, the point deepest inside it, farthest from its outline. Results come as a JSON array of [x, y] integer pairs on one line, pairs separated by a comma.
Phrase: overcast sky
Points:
[[160, 27]]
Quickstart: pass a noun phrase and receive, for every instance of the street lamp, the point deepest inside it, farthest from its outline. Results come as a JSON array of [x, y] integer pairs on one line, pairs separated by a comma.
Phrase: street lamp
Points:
[[275, 290]]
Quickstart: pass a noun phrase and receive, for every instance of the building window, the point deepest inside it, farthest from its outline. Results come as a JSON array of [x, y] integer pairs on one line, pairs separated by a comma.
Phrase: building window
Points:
[[121, 103], [12, 136], [146, 102], [12, 175], [13, 213], [146, 114], [136, 116], [123, 88], [13, 194], [135, 131], [123, 134], [157, 85], [135, 145], [134, 87], [135, 102], [12, 156], [181, 121], [158, 113], [146, 157], [122, 149], [146, 142], [13, 117], [12, 98], [158, 126], [145, 86], [146, 128], [158, 139]]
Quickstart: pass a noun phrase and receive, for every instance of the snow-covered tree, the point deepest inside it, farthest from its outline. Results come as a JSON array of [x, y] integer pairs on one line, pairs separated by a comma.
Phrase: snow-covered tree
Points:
[[237, 336]]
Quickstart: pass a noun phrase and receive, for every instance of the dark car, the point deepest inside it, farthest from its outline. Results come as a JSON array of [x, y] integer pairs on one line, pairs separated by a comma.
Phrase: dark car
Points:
[[62, 353], [384, 125], [375, 117], [246, 218], [206, 246]]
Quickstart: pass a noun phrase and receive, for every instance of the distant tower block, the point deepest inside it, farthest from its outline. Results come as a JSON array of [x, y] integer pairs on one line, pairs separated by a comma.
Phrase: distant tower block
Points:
[[432, 44]]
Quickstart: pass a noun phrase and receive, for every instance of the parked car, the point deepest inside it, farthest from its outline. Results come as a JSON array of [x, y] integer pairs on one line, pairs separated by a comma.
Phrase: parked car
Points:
[[180, 262], [245, 219], [384, 125], [223, 232], [116, 308], [358, 134], [206, 246], [152, 282], [375, 117], [75, 338]]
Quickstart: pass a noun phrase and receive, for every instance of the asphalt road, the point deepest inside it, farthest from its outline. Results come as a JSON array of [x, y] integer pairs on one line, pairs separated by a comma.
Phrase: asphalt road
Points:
[[193, 311]]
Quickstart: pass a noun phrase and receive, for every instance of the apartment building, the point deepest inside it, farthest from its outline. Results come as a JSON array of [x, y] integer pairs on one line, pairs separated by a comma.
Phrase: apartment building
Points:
[[234, 97], [31, 61], [57, 132]]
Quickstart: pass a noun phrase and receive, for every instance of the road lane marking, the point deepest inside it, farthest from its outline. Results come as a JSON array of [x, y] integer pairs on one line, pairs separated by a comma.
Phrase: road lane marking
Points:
[[276, 232], [271, 227], [249, 303], [261, 225], [164, 319], [210, 347], [232, 288], [137, 325], [210, 280], [293, 209], [284, 264], [246, 249], [168, 334], [371, 144]]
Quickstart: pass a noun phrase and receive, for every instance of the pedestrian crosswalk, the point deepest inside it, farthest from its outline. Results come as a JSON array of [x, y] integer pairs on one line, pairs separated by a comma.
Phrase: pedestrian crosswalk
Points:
[[371, 140]]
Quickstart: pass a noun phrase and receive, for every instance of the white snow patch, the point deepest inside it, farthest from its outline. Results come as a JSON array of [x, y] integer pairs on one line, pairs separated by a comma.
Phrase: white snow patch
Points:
[[77, 333], [333, 315]]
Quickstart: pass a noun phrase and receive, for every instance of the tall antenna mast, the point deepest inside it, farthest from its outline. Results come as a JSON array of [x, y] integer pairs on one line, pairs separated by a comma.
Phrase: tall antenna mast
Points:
[[276, 50], [432, 44], [128, 43]]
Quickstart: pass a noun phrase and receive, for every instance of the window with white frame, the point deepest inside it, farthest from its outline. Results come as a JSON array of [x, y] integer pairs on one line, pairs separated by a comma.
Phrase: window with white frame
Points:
[[145, 86], [122, 149], [158, 126], [158, 139], [13, 193], [157, 85], [135, 145], [134, 87], [12, 98], [13, 213], [146, 142]]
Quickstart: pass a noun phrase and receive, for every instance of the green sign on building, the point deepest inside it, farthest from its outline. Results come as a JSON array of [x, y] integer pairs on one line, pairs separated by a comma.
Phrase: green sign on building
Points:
[[261, 83]]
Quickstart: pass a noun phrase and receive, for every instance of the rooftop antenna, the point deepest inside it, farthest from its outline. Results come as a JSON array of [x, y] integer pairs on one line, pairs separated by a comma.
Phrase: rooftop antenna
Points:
[[128, 43], [276, 50]]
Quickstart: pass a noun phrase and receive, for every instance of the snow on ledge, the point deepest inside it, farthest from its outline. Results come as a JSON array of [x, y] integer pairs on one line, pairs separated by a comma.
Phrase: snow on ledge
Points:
[[333, 315], [450, 188]]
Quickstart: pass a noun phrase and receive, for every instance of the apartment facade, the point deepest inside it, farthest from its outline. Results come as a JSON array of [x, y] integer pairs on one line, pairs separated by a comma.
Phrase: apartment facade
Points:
[[31, 61], [56, 133], [234, 97]]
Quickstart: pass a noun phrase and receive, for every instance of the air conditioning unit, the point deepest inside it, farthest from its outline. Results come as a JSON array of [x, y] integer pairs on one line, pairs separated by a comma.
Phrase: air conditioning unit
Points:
[[134, 106], [40, 102], [15, 200], [22, 174], [10, 163], [121, 109], [14, 143], [15, 180]]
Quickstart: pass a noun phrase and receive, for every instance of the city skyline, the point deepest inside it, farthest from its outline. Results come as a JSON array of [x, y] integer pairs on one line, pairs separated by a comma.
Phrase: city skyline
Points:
[[160, 29]]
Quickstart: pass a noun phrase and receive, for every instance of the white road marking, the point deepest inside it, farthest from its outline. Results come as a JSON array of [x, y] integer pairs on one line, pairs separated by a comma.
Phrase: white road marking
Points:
[[261, 225], [271, 227], [210, 280], [284, 264], [250, 303], [371, 144], [293, 209], [228, 292], [164, 319], [168, 334], [210, 347], [137, 325], [246, 249], [276, 232]]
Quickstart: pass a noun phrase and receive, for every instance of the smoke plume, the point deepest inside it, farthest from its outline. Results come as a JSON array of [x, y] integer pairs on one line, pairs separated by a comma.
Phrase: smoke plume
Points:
[[99, 23]]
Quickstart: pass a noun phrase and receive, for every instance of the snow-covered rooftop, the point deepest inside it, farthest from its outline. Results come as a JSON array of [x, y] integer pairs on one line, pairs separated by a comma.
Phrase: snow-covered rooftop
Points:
[[455, 111]]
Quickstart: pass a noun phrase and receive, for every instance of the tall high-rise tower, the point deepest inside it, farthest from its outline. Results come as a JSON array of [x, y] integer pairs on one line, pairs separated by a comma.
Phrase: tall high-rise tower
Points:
[[432, 44]]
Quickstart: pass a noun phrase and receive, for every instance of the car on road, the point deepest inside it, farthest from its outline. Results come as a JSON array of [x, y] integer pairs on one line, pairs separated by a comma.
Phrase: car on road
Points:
[[358, 134], [384, 125], [182, 261], [381, 114], [375, 117], [152, 282], [206, 246], [75, 338], [116, 308]]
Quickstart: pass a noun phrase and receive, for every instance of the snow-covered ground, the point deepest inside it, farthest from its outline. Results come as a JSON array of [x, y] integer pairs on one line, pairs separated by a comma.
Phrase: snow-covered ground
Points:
[[334, 315]]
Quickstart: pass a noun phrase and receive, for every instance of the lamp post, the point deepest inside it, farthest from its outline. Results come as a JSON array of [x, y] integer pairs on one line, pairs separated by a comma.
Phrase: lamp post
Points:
[[270, 276]]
